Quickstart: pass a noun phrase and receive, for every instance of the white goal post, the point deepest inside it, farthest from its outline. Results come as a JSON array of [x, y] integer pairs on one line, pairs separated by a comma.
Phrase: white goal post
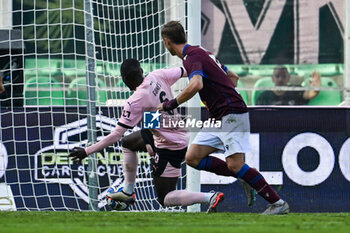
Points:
[[194, 38], [59, 62]]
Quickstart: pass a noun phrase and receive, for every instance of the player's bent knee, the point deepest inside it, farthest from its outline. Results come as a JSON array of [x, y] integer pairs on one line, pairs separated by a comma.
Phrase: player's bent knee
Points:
[[235, 162], [126, 143], [166, 202], [234, 167], [191, 161], [169, 198]]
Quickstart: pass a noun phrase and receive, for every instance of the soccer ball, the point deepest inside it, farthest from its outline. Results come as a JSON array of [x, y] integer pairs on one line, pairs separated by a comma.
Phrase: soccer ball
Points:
[[118, 200]]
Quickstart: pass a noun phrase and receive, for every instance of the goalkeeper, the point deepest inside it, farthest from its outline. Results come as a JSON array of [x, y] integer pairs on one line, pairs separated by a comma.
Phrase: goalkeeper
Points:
[[167, 145]]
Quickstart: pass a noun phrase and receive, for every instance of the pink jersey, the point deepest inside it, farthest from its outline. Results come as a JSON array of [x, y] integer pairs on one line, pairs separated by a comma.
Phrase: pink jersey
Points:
[[154, 90]]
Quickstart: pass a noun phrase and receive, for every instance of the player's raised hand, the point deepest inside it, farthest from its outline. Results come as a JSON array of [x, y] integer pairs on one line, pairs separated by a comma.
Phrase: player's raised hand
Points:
[[168, 105], [78, 154]]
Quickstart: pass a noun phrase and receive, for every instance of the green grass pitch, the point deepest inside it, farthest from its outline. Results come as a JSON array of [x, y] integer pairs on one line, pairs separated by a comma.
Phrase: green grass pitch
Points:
[[51, 222]]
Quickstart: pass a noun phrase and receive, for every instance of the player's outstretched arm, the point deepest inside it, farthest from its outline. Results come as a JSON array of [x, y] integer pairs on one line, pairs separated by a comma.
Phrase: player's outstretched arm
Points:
[[195, 85], [79, 153]]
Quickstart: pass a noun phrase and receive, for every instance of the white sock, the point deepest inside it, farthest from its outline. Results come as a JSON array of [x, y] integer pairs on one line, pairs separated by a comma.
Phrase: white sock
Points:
[[279, 202], [130, 169], [129, 188], [207, 197]]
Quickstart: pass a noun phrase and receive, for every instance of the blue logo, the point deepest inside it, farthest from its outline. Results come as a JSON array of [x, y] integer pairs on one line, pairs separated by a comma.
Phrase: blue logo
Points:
[[151, 120]]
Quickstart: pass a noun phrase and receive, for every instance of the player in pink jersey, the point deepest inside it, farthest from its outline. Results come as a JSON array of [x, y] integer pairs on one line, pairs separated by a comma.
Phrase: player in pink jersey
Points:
[[216, 84], [167, 146]]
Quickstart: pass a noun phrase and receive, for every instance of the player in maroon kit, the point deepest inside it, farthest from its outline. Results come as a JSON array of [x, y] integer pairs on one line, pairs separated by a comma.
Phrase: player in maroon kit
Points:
[[216, 87]]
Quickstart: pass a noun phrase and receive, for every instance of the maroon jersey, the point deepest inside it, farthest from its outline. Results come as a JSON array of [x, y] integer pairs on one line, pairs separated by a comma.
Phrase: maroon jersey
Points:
[[218, 93]]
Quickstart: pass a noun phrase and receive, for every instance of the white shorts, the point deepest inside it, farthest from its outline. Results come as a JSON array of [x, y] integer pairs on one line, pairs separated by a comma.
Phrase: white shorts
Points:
[[232, 138]]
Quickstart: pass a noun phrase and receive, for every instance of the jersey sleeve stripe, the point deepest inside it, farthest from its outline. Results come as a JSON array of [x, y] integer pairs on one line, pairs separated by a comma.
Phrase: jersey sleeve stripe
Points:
[[124, 126], [184, 49], [224, 68], [195, 73]]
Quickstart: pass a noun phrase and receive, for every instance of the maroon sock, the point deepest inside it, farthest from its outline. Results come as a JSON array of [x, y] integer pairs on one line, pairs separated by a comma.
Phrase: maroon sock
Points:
[[257, 181], [215, 165]]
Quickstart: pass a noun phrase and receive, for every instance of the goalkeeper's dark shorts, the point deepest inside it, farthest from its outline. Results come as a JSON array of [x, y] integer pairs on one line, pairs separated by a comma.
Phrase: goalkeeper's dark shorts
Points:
[[165, 163]]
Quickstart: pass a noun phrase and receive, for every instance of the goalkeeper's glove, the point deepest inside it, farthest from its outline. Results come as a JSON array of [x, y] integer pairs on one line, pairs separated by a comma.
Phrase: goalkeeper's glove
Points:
[[78, 154], [170, 105]]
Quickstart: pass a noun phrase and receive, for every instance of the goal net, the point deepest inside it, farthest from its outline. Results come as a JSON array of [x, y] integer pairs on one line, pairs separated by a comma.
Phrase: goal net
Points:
[[59, 62]]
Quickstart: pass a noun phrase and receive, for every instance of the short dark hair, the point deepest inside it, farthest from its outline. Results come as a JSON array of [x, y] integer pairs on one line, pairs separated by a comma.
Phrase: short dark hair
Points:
[[130, 70], [280, 67], [280, 71], [175, 32], [129, 66]]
